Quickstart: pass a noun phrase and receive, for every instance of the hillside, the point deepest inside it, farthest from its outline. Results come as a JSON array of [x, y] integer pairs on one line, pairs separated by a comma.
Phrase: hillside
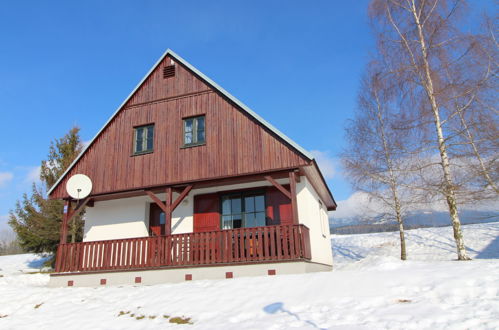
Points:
[[369, 289]]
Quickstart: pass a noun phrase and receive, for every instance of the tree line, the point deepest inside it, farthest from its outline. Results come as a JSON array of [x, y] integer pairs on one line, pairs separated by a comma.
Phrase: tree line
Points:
[[425, 130]]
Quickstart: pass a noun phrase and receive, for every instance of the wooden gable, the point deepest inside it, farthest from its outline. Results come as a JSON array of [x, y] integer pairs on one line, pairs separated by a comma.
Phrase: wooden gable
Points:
[[236, 143]]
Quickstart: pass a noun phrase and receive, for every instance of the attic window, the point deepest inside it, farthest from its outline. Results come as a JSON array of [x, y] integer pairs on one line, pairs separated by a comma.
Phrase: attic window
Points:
[[143, 139], [169, 71], [194, 134]]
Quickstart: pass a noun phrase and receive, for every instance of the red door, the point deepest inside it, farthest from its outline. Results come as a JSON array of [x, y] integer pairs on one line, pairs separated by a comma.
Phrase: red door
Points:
[[206, 213], [156, 220]]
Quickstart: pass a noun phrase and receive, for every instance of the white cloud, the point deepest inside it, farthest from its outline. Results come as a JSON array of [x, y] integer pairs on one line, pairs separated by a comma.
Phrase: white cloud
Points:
[[326, 162], [5, 177], [33, 175], [358, 205], [85, 143]]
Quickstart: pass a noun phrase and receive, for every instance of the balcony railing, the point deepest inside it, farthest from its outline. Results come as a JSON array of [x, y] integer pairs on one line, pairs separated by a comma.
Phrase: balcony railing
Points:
[[244, 245]]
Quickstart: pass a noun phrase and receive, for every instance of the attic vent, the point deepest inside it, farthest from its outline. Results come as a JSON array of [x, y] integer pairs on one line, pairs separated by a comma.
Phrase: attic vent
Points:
[[169, 71]]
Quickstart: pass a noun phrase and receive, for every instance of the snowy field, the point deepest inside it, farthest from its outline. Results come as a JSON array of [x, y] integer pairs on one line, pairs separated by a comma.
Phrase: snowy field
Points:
[[369, 289]]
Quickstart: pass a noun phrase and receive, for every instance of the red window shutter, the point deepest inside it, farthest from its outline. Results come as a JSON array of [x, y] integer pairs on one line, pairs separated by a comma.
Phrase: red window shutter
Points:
[[279, 209], [206, 213]]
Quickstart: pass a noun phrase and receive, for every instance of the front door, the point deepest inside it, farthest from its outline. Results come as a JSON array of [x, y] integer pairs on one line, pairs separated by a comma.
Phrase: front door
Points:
[[156, 220]]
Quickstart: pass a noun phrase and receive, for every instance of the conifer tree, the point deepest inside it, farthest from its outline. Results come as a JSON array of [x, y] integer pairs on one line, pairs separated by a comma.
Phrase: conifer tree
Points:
[[36, 219]]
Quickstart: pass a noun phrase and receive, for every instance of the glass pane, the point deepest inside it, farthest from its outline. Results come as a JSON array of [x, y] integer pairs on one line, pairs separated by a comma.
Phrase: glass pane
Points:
[[188, 138], [162, 218], [140, 132], [227, 222], [139, 145], [237, 221], [200, 137], [150, 132], [236, 205], [225, 205], [249, 204], [188, 125], [149, 144], [259, 203], [260, 219], [200, 123], [249, 220]]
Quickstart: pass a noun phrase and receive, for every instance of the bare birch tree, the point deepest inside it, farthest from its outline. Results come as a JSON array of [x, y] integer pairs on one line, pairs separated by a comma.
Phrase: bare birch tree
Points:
[[434, 64], [373, 157]]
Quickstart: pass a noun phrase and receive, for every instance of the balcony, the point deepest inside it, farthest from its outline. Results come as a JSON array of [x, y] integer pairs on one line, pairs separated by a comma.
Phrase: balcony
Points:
[[234, 246]]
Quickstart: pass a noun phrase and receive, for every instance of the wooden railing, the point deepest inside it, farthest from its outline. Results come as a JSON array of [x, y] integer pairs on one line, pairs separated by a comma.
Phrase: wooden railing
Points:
[[259, 244]]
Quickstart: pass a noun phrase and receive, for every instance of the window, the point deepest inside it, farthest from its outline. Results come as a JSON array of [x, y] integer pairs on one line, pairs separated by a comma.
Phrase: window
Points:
[[194, 131], [143, 139], [243, 210]]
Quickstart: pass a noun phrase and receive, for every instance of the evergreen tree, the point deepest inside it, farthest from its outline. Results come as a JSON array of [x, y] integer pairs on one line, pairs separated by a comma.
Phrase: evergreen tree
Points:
[[36, 219]]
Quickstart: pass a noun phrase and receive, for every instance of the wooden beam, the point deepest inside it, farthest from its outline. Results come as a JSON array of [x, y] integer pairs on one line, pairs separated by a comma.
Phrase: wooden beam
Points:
[[297, 176], [168, 212], [67, 216], [278, 186], [77, 208], [180, 198], [156, 200], [294, 202]]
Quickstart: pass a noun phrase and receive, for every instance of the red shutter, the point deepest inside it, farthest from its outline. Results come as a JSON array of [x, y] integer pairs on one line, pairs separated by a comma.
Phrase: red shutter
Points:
[[279, 209], [206, 213]]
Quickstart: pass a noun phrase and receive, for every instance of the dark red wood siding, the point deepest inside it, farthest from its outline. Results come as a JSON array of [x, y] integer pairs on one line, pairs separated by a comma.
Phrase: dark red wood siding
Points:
[[206, 213], [278, 206], [235, 143]]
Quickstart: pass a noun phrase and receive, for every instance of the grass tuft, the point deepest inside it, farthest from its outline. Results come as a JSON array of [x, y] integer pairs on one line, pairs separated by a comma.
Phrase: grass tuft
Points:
[[140, 317], [123, 313], [180, 320], [38, 305]]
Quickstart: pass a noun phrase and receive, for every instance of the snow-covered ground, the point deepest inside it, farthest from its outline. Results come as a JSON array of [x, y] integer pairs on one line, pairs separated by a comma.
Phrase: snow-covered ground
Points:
[[369, 289]]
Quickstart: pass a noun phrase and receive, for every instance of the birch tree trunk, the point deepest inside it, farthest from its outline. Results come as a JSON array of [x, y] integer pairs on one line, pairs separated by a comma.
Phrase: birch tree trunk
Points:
[[448, 190]]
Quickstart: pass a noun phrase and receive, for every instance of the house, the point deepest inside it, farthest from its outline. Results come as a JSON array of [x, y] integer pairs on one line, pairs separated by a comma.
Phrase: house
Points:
[[189, 183]]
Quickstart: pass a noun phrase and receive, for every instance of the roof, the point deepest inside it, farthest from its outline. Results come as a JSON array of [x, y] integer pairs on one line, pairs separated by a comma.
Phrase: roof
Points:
[[207, 80]]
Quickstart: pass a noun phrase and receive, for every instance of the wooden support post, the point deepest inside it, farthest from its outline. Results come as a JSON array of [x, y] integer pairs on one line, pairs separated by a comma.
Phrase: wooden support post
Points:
[[168, 212], [63, 232], [68, 215], [294, 202]]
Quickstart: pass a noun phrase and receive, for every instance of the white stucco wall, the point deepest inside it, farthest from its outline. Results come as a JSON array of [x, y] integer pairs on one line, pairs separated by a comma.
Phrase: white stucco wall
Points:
[[115, 219], [314, 215]]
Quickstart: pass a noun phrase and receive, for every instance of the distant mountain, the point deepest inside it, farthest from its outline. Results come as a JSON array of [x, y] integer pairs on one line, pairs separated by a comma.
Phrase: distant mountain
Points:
[[414, 220]]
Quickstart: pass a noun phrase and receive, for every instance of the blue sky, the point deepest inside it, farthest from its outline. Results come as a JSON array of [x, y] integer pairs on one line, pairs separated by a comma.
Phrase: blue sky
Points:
[[295, 63]]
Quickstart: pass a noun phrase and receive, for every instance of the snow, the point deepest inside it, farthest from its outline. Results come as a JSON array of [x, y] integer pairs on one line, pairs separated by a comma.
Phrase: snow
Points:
[[370, 288]]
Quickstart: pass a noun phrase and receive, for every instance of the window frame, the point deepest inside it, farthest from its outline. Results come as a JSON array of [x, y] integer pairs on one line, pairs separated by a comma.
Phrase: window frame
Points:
[[194, 131], [134, 139], [242, 195]]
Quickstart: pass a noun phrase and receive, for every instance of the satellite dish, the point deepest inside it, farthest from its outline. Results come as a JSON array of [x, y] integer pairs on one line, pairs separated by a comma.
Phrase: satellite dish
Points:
[[79, 186]]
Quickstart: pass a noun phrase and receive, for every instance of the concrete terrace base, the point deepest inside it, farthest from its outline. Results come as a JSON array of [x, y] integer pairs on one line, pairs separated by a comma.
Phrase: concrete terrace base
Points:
[[175, 275]]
